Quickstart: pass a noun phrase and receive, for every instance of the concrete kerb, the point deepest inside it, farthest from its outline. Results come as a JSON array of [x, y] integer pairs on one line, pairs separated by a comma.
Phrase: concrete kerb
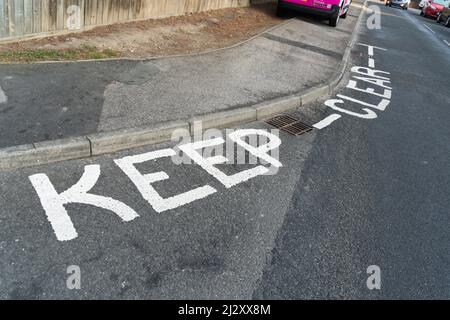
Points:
[[343, 65], [315, 93], [44, 152], [223, 119], [109, 142], [267, 109]]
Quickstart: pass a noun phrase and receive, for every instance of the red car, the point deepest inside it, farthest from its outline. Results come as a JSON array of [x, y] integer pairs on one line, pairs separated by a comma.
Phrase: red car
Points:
[[433, 8]]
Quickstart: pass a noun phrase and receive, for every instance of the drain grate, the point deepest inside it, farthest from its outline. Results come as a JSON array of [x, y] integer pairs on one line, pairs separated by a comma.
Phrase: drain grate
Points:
[[289, 124]]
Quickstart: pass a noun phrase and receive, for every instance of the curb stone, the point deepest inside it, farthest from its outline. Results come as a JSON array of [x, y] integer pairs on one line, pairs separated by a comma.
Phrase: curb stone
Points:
[[109, 142], [44, 152], [118, 140], [315, 93], [343, 65], [267, 109], [223, 119]]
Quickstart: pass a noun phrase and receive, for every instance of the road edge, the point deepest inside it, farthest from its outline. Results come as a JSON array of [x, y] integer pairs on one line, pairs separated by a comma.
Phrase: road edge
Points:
[[118, 140]]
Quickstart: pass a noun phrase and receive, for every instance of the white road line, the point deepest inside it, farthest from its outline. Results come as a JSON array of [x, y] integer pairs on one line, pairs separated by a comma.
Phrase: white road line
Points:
[[327, 121], [371, 63], [370, 48], [414, 20], [428, 27], [3, 96]]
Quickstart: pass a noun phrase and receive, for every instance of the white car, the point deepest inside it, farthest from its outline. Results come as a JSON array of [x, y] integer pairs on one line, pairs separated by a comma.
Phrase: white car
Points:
[[404, 4]]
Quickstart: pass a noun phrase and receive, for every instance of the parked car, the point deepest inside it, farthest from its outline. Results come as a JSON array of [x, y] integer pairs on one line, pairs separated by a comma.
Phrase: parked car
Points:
[[404, 4], [444, 17], [332, 10], [433, 8]]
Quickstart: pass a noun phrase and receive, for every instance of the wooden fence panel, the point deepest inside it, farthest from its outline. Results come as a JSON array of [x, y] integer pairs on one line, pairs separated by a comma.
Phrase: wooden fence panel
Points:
[[106, 5], [3, 32], [45, 11], [28, 16], [53, 15], [32, 17], [60, 21], [37, 16], [18, 18], [10, 16]]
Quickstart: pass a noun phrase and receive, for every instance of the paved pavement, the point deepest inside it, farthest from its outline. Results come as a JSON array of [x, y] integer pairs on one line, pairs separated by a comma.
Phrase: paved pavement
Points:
[[362, 191], [52, 101]]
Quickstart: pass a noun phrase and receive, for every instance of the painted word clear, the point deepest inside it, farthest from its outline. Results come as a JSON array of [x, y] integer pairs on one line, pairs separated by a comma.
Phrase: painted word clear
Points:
[[368, 80]]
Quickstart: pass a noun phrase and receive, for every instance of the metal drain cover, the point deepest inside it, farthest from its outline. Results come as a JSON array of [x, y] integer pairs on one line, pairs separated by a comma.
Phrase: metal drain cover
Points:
[[289, 124]]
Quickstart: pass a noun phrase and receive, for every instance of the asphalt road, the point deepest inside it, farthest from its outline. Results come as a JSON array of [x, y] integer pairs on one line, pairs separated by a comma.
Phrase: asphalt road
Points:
[[438, 31], [356, 193]]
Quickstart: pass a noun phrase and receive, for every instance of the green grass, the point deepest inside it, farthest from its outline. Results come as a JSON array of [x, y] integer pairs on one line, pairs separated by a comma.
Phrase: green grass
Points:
[[84, 52]]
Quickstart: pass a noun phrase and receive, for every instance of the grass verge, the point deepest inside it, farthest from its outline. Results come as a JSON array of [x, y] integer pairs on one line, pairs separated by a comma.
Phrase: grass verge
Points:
[[85, 52]]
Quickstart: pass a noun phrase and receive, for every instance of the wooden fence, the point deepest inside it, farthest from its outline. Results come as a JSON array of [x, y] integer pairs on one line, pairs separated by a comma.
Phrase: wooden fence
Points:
[[20, 18]]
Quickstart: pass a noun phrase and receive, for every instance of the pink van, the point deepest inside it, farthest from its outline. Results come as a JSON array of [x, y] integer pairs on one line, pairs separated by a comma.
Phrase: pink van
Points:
[[332, 10]]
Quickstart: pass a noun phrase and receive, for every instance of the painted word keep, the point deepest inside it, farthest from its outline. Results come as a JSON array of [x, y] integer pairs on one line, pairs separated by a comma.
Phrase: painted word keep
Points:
[[54, 202]]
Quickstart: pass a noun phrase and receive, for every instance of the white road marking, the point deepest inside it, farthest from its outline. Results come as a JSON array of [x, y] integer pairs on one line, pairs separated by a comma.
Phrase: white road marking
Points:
[[352, 84], [208, 164], [428, 28], [53, 203], [370, 72], [370, 114], [144, 182], [327, 121], [370, 48], [381, 106], [370, 75], [3, 96], [370, 52], [414, 20]]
